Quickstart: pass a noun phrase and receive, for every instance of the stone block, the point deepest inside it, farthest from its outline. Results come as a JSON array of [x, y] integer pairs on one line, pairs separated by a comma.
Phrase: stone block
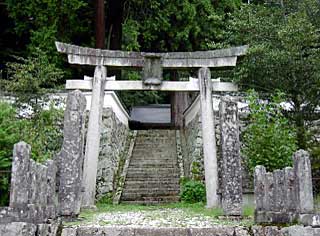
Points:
[[8, 215], [215, 230], [47, 229], [43, 189], [274, 217], [51, 194], [18, 229], [290, 203], [19, 179], [268, 201], [298, 230], [241, 231], [259, 187], [279, 194], [306, 219], [69, 232], [302, 172], [316, 221], [266, 231], [163, 231], [109, 231]]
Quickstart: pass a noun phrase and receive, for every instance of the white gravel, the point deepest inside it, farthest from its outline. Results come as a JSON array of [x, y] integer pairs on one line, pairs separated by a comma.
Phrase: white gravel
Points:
[[156, 218]]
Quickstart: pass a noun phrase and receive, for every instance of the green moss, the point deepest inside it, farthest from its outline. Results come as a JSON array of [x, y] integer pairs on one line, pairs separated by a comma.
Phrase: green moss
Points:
[[248, 211]]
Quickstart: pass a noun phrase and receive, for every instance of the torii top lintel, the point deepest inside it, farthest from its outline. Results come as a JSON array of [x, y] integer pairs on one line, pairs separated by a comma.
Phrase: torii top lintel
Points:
[[90, 56]]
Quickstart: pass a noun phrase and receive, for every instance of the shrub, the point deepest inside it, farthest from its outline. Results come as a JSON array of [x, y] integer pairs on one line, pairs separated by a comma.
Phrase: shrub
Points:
[[269, 139], [193, 191], [31, 77], [43, 132], [10, 133]]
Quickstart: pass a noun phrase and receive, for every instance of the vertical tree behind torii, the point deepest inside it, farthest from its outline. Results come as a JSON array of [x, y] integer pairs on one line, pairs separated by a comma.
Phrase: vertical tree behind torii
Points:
[[162, 26]]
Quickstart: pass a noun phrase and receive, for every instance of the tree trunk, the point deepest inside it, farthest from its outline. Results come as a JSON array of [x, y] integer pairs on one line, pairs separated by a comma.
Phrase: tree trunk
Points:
[[179, 102], [114, 29], [100, 24]]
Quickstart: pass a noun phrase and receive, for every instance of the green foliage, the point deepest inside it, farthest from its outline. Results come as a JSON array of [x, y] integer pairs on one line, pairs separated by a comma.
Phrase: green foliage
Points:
[[45, 21], [43, 133], [4, 188], [30, 78], [182, 25], [106, 199], [195, 171], [10, 132], [193, 191], [284, 54], [269, 140]]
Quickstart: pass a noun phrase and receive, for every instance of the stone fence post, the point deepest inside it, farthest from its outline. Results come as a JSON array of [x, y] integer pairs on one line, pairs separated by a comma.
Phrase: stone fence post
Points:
[[284, 196], [302, 174], [70, 159], [33, 195], [231, 174]]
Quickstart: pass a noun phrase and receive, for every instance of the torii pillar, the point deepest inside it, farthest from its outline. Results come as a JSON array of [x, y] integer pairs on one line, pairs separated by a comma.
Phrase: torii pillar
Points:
[[209, 138], [93, 138]]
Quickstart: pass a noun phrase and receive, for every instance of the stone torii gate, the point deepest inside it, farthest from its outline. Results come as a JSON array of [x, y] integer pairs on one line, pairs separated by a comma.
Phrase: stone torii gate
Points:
[[152, 65]]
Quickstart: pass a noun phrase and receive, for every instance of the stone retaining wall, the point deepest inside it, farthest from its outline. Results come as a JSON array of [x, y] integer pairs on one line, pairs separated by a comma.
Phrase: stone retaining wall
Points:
[[192, 149], [28, 229], [284, 196], [114, 135], [32, 196], [42, 192], [214, 231]]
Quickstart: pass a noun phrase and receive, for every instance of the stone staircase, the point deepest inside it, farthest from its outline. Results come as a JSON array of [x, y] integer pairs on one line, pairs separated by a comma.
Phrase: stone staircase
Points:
[[153, 173]]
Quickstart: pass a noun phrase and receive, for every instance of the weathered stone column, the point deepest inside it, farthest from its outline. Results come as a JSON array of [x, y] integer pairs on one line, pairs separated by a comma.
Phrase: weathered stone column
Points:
[[70, 159], [20, 185], [93, 137], [291, 197], [231, 197], [279, 194], [268, 201], [209, 139], [259, 187], [303, 177]]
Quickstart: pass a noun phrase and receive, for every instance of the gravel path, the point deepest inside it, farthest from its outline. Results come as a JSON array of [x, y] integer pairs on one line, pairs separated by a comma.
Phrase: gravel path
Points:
[[160, 218]]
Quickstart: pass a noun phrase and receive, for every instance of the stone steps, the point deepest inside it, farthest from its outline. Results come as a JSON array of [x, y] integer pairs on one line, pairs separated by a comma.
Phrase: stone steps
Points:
[[151, 185], [150, 179], [153, 174], [154, 165], [151, 188], [150, 195]]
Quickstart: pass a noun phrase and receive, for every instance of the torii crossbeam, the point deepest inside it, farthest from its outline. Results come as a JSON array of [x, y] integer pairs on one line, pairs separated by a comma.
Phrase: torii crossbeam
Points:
[[152, 65]]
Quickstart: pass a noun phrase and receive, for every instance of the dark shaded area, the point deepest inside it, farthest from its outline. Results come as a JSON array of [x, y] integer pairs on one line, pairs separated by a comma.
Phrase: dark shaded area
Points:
[[150, 117]]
